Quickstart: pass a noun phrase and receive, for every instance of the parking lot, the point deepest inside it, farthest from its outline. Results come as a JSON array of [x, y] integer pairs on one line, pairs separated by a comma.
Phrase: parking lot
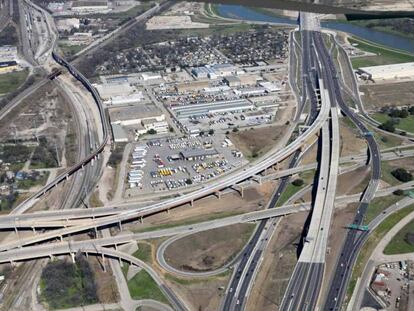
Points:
[[175, 163]]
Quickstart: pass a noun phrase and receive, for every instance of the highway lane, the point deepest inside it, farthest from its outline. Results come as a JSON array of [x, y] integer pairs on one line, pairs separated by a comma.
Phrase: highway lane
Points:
[[245, 272], [341, 274]]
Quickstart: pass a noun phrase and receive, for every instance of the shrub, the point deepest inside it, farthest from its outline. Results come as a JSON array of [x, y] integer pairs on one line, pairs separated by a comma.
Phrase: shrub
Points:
[[402, 175], [298, 182], [151, 132], [388, 126], [399, 192]]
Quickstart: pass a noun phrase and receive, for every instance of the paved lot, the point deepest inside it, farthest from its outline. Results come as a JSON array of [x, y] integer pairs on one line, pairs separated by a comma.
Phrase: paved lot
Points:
[[165, 169]]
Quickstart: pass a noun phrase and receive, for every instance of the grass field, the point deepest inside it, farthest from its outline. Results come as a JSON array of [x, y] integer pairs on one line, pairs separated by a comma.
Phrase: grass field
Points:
[[386, 175], [144, 252], [291, 189], [9, 82], [405, 124], [378, 205], [372, 242], [142, 286], [384, 55], [399, 243]]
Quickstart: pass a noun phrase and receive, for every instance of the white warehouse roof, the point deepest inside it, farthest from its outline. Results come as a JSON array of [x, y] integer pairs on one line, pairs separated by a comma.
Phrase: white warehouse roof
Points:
[[394, 71]]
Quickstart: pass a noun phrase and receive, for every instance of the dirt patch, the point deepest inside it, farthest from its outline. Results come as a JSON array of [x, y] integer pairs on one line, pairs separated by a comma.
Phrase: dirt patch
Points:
[[107, 290], [407, 163], [353, 182], [351, 142], [391, 94], [201, 294], [208, 250], [255, 142], [279, 261], [311, 155]]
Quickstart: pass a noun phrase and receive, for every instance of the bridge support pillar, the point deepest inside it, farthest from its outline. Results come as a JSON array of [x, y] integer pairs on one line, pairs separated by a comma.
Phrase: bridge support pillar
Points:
[[34, 229], [61, 238], [72, 255], [67, 177], [239, 189], [258, 179], [120, 226], [192, 203], [87, 255], [141, 219], [121, 263], [218, 194], [103, 262], [51, 257]]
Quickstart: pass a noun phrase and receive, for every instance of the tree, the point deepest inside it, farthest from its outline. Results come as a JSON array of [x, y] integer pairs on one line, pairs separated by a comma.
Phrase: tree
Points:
[[298, 182], [388, 126], [210, 131], [399, 192], [151, 132], [402, 175], [188, 181], [411, 110], [235, 129]]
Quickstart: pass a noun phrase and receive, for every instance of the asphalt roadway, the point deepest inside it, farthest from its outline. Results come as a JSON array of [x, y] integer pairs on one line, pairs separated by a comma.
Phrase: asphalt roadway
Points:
[[243, 277], [349, 250]]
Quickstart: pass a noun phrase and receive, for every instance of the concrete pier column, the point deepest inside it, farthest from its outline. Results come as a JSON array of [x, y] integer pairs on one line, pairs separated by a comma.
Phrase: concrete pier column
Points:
[[72, 255]]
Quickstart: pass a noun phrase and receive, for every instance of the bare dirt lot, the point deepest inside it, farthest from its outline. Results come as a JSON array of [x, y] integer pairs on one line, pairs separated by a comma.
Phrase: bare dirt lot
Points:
[[351, 142], [208, 250], [201, 294], [280, 260], [107, 290], [255, 142], [392, 94]]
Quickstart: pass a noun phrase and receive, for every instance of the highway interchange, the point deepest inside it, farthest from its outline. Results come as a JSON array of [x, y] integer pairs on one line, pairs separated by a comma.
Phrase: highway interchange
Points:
[[321, 91]]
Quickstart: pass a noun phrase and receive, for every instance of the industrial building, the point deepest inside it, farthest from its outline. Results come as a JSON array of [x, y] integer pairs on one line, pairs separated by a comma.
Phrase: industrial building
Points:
[[8, 53], [161, 127], [232, 81], [133, 115], [387, 72], [120, 135], [85, 6], [67, 24], [6, 67], [192, 110], [217, 70], [269, 86], [198, 154], [119, 93], [127, 99], [250, 91]]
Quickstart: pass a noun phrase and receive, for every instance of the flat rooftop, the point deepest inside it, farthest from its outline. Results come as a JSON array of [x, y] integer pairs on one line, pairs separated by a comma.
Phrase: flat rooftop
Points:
[[140, 111]]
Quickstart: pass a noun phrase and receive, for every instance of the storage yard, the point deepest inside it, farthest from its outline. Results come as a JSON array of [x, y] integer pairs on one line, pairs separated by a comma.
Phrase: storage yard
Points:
[[174, 163]]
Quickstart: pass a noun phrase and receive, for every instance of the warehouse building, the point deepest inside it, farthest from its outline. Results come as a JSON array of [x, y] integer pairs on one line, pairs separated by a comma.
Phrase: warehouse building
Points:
[[85, 6], [193, 110], [133, 115], [232, 81], [120, 136], [8, 53], [198, 154], [388, 72]]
